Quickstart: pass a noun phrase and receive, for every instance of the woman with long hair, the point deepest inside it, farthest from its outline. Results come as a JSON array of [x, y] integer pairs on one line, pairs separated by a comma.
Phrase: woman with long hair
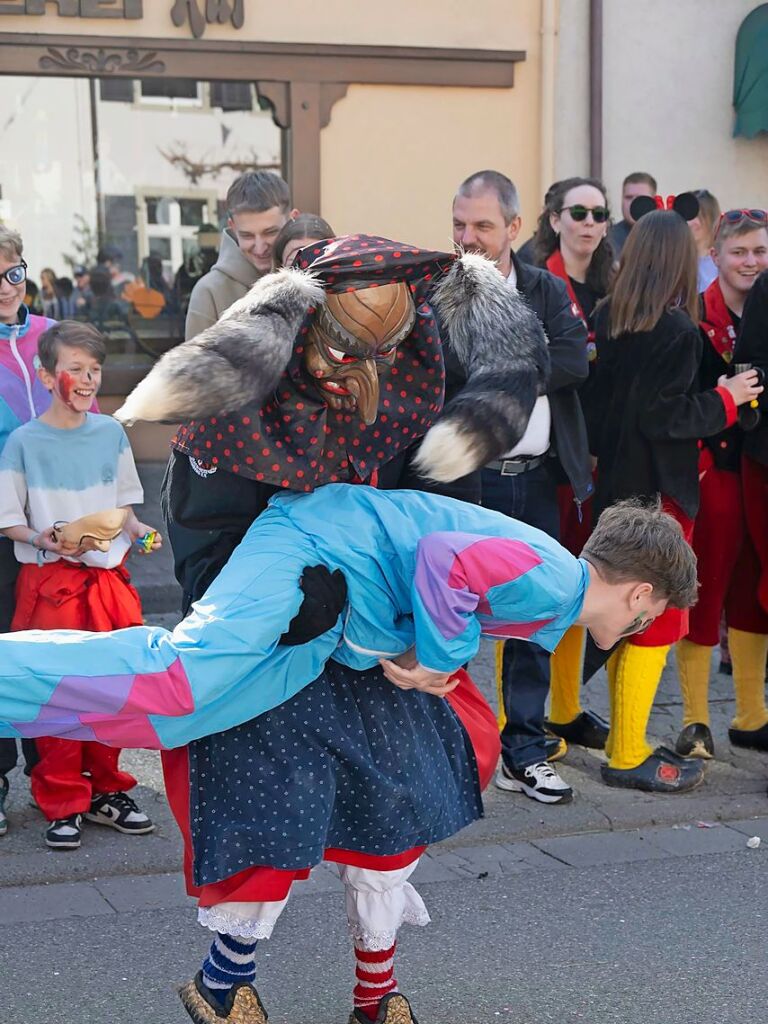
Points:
[[645, 415], [571, 241], [703, 228], [48, 294], [296, 234]]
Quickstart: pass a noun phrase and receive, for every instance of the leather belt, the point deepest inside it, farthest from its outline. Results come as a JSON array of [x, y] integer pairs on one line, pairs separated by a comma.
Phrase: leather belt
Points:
[[512, 467]]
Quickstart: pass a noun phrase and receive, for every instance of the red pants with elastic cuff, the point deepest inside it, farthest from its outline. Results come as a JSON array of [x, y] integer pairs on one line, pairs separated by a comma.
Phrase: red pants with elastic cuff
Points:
[[260, 884], [728, 565], [66, 595], [671, 625]]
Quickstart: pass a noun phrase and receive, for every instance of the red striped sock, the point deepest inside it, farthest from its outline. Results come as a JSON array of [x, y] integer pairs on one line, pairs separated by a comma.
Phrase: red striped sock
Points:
[[375, 973]]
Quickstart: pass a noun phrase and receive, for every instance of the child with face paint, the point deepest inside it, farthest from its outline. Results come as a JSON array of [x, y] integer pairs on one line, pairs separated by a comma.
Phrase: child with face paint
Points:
[[66, 463]]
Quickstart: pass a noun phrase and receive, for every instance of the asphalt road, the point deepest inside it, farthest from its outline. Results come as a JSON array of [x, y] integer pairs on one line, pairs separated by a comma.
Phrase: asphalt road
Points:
[[671, 940]]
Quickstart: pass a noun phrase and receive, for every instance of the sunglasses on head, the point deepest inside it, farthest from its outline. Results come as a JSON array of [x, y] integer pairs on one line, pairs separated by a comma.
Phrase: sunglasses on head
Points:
[[737, 216], [579, 213], [15, 275]]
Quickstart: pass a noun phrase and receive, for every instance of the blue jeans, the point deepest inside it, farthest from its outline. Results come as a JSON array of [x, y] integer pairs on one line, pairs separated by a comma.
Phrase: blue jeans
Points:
[[532, 498]]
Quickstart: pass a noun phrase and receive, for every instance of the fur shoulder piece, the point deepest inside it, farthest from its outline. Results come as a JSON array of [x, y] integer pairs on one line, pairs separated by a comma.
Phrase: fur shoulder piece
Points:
[[502, 348], [237, 360]]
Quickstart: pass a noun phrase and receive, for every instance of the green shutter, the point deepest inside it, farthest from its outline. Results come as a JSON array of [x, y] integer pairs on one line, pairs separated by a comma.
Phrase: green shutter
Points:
[[750, 80]]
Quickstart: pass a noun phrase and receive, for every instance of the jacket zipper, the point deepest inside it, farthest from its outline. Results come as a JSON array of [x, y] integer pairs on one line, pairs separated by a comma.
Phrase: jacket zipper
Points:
[[24, 371]]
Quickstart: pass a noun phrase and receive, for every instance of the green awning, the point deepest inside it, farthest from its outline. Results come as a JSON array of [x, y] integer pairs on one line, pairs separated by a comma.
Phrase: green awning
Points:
[[750, 80]]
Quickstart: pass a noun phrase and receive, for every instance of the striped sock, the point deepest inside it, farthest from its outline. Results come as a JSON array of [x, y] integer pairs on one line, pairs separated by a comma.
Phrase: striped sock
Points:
[[232, 958], [375, 973]]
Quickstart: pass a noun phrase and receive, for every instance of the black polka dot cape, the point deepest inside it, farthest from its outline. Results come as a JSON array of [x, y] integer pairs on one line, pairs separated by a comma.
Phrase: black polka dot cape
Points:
[[295, 441]]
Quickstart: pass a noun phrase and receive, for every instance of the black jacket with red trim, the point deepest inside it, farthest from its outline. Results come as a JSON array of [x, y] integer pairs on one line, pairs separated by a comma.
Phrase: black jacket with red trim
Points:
[[719, 326], [752, 347], [646, 413]]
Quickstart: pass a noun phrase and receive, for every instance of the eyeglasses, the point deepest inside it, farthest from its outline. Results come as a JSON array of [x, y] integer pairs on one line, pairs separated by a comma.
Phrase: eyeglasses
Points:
[[737, 216], [579, 213], [15, 275], [638, 625]]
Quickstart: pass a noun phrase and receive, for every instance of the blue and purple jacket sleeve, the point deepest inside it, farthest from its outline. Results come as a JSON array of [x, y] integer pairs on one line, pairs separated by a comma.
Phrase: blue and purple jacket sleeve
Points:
[[468, 585], [148, 687]]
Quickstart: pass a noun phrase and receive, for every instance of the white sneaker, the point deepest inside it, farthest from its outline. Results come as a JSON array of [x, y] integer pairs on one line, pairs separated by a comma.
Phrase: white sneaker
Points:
[[538, 781]]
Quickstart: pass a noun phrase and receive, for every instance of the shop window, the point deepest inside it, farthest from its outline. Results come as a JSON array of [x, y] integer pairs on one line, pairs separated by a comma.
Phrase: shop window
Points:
[[232, 95], [174, 91], [116, 90], [169, 226]]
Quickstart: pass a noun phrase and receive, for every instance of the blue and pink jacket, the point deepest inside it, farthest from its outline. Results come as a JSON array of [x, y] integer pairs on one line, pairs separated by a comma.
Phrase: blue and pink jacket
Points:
[[420, 569], [22, 396]]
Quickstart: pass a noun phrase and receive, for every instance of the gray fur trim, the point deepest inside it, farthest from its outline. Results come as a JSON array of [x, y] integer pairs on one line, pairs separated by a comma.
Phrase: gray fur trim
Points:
[[502, 348], [239, 359]]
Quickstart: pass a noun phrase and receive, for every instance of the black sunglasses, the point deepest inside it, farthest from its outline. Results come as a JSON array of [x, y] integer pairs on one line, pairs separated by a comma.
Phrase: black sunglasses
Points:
[[579, 213], [15, 275]]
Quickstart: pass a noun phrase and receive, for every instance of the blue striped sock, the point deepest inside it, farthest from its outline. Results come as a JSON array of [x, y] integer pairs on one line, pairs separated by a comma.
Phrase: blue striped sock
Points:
[[232, 958]]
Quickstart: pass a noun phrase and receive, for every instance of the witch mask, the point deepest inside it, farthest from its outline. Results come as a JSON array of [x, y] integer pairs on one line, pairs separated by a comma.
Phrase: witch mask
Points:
[[353, 340]]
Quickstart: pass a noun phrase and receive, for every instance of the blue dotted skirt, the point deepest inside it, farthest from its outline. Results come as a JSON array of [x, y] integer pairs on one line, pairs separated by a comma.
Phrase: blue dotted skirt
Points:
[[350, 762]]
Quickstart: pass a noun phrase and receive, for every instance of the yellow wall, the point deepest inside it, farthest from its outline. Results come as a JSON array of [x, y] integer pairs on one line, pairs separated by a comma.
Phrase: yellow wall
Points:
[[392, 156], [489, 24]]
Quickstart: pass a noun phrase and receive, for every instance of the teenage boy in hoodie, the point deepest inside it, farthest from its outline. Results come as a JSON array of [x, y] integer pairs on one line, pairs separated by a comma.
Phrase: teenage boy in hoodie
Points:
[[258, 205], [22, 397]]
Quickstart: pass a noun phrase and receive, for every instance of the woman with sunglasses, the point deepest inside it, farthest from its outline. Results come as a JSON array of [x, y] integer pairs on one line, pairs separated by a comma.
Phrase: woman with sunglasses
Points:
[[728, 565], [645, 415], [571, 242], [22, 398]]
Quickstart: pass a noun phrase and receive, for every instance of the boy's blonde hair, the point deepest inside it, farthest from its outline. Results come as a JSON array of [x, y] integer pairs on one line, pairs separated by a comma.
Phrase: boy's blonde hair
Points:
[[11, 245], [636, 541]]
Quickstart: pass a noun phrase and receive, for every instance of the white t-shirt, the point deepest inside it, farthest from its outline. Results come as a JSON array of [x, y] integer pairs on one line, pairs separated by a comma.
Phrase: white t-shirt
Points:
[[50, 475], [535, 440]]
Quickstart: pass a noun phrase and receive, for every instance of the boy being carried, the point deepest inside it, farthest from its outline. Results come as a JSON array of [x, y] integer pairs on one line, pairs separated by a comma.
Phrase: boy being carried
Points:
[[65, 464], [422, 570]]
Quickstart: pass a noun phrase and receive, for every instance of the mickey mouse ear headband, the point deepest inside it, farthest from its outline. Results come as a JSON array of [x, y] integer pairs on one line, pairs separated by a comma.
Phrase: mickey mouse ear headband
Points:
[[686, 204]]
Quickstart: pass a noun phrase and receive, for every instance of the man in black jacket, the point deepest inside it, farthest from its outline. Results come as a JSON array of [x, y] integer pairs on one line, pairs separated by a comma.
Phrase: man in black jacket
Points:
[[486, 219]]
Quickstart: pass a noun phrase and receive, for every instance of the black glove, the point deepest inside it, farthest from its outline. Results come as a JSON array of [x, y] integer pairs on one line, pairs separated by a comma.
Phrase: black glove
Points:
[[325, 594]]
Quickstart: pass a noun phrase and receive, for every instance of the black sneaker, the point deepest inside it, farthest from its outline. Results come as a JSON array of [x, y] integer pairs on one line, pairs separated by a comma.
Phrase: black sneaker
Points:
[[117, 810], [695, 741], [538, 781], [65, 833], [586, 730], [754, 739]]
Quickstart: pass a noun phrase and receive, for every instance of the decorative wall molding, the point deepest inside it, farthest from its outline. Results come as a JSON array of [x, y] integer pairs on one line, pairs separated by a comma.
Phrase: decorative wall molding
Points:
[[102, 62]]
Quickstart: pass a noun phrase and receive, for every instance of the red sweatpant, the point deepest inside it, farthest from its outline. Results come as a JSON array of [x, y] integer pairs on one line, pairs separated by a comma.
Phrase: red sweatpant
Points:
[[65, 595], [260, 884], [671, 625], [728, 566], [754, 481]]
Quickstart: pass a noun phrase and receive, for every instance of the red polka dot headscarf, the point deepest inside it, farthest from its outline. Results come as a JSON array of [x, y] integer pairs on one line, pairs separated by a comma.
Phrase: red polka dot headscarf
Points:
[[295, 440]]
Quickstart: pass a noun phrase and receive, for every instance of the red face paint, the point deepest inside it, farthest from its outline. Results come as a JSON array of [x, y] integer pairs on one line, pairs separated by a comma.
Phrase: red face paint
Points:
[[64, 386]]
